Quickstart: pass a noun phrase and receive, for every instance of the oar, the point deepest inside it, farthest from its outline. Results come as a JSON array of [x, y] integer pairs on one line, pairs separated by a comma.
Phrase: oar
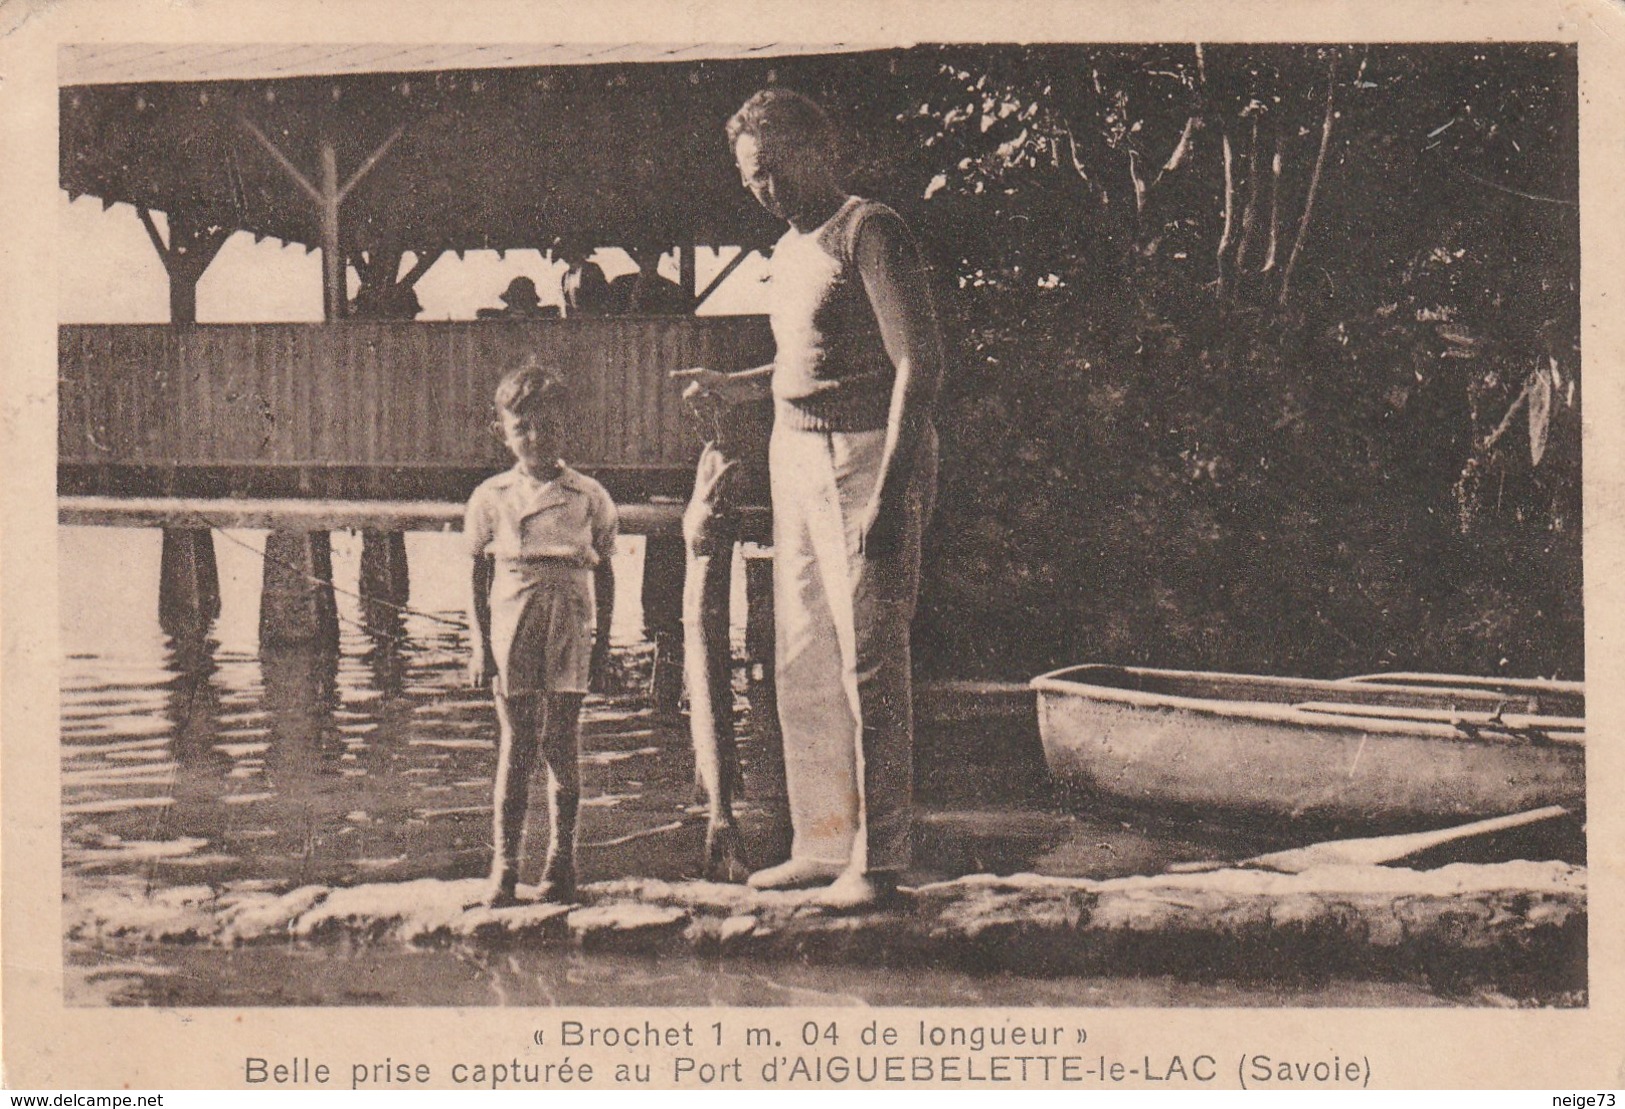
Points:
[[1565, 726], [1372, 850]]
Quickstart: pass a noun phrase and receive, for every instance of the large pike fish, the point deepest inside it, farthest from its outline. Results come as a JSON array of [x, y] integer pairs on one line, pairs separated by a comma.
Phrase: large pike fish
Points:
[[710, 529]]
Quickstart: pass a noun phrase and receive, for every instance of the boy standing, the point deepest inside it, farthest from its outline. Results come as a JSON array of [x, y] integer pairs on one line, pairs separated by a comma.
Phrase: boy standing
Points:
[[542, 537]]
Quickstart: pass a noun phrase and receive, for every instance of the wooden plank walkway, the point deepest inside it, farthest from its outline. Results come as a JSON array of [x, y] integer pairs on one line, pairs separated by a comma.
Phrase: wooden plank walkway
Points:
[[296, 514]]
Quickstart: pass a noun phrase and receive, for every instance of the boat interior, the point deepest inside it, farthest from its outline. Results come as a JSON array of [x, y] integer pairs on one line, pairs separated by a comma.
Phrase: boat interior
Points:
[[1445, 698]]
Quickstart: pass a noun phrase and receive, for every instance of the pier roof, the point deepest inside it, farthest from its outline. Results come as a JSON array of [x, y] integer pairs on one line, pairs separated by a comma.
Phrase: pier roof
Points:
[[146, 63], [431, 148]]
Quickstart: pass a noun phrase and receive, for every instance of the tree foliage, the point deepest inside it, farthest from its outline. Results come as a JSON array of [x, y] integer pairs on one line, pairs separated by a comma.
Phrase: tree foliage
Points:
[[1265, 357]]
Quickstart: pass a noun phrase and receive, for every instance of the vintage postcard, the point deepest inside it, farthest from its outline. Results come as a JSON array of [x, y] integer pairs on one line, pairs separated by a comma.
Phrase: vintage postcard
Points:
[[698, 547]]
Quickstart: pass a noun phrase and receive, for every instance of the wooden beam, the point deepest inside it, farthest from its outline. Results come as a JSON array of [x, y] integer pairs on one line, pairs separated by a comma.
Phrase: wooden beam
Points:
[[209, 245], [366, 166], [420, 265], [727, 271], [293, 514], [282, 160], [191, 247], [152, 233], [377, 268]]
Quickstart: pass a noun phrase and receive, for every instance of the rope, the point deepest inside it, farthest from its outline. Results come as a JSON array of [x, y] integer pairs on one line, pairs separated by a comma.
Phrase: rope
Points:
[[299, 571], [193, 678]]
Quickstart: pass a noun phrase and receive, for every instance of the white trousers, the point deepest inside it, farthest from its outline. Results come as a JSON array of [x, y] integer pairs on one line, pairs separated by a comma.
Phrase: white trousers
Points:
[[843, 666]]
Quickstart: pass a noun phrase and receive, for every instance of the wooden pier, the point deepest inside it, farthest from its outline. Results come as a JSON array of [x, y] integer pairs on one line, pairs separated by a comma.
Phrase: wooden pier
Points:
[[294, 514], [298, 606], [383, 427]]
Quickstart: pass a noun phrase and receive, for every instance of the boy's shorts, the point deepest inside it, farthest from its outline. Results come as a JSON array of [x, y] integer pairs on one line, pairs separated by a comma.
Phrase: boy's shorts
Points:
[[542, 622]]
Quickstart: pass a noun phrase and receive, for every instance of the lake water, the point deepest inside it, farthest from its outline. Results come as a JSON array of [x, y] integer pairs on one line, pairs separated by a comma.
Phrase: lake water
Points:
[[210, 764]]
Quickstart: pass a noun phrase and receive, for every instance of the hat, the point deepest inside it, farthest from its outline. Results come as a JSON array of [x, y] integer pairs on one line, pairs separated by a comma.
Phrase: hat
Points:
[[521, 290]]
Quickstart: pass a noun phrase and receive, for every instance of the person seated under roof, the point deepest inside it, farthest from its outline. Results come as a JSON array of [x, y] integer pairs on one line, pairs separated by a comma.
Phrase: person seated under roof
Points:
[[586, 293], [520, 302], [396, 301], [645, 292]]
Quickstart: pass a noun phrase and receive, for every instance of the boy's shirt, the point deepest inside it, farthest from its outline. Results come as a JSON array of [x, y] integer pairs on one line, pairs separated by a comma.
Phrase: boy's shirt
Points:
[[515, 516]]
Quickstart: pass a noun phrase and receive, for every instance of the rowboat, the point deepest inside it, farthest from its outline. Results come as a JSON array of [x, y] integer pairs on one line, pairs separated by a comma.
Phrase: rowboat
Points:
[[1378, 749]]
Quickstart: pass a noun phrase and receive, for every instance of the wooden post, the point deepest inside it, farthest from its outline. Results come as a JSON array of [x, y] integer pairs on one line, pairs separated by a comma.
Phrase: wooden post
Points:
[[385, 582], [664, 566], [297, 607], [188, 582], [688, 270], [328, 198], [193, 244], [333, 291], [182, 299]]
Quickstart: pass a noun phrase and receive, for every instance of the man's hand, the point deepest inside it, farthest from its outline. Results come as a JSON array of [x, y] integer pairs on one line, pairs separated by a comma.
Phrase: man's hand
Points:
[[699, 383], [482, 667], [882, 532]]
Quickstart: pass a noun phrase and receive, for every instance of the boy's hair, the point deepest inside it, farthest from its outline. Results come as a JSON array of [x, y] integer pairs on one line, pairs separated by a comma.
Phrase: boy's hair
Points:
[[781, 119], [528, 388]]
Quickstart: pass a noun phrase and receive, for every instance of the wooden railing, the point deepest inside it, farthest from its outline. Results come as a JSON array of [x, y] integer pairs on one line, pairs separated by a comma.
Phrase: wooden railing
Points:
[[379, 396]]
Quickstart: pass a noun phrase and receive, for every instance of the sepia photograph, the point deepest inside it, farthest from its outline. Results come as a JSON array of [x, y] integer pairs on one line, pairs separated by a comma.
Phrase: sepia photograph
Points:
[[989, 531]]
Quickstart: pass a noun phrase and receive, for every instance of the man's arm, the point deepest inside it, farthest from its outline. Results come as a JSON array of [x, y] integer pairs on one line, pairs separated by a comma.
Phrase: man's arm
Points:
[[895, 280], [735, 388]]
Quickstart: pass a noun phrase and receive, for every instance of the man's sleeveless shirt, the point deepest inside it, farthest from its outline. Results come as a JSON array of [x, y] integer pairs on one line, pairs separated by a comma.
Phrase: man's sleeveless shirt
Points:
[[831, 371]]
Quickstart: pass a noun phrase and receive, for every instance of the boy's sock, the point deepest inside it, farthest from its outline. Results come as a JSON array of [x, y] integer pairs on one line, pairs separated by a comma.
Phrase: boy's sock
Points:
[[559, 875], [561, 749], [515, 762]]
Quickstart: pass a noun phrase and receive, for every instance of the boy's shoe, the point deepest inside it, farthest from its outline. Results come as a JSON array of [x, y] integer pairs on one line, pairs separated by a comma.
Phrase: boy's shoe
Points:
[[797, 874], [558, 884], [855, 889], [556, 893], [724, 852]]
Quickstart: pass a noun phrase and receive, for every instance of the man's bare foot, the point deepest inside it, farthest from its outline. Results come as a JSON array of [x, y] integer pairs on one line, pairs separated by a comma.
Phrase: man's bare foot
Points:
[[796, 874], [856, 890]]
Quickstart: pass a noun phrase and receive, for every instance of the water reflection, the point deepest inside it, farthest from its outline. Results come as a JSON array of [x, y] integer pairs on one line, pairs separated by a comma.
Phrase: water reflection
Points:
[[300, 695], [198, 758], [195, 760], [386, 662], [194, 712]]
